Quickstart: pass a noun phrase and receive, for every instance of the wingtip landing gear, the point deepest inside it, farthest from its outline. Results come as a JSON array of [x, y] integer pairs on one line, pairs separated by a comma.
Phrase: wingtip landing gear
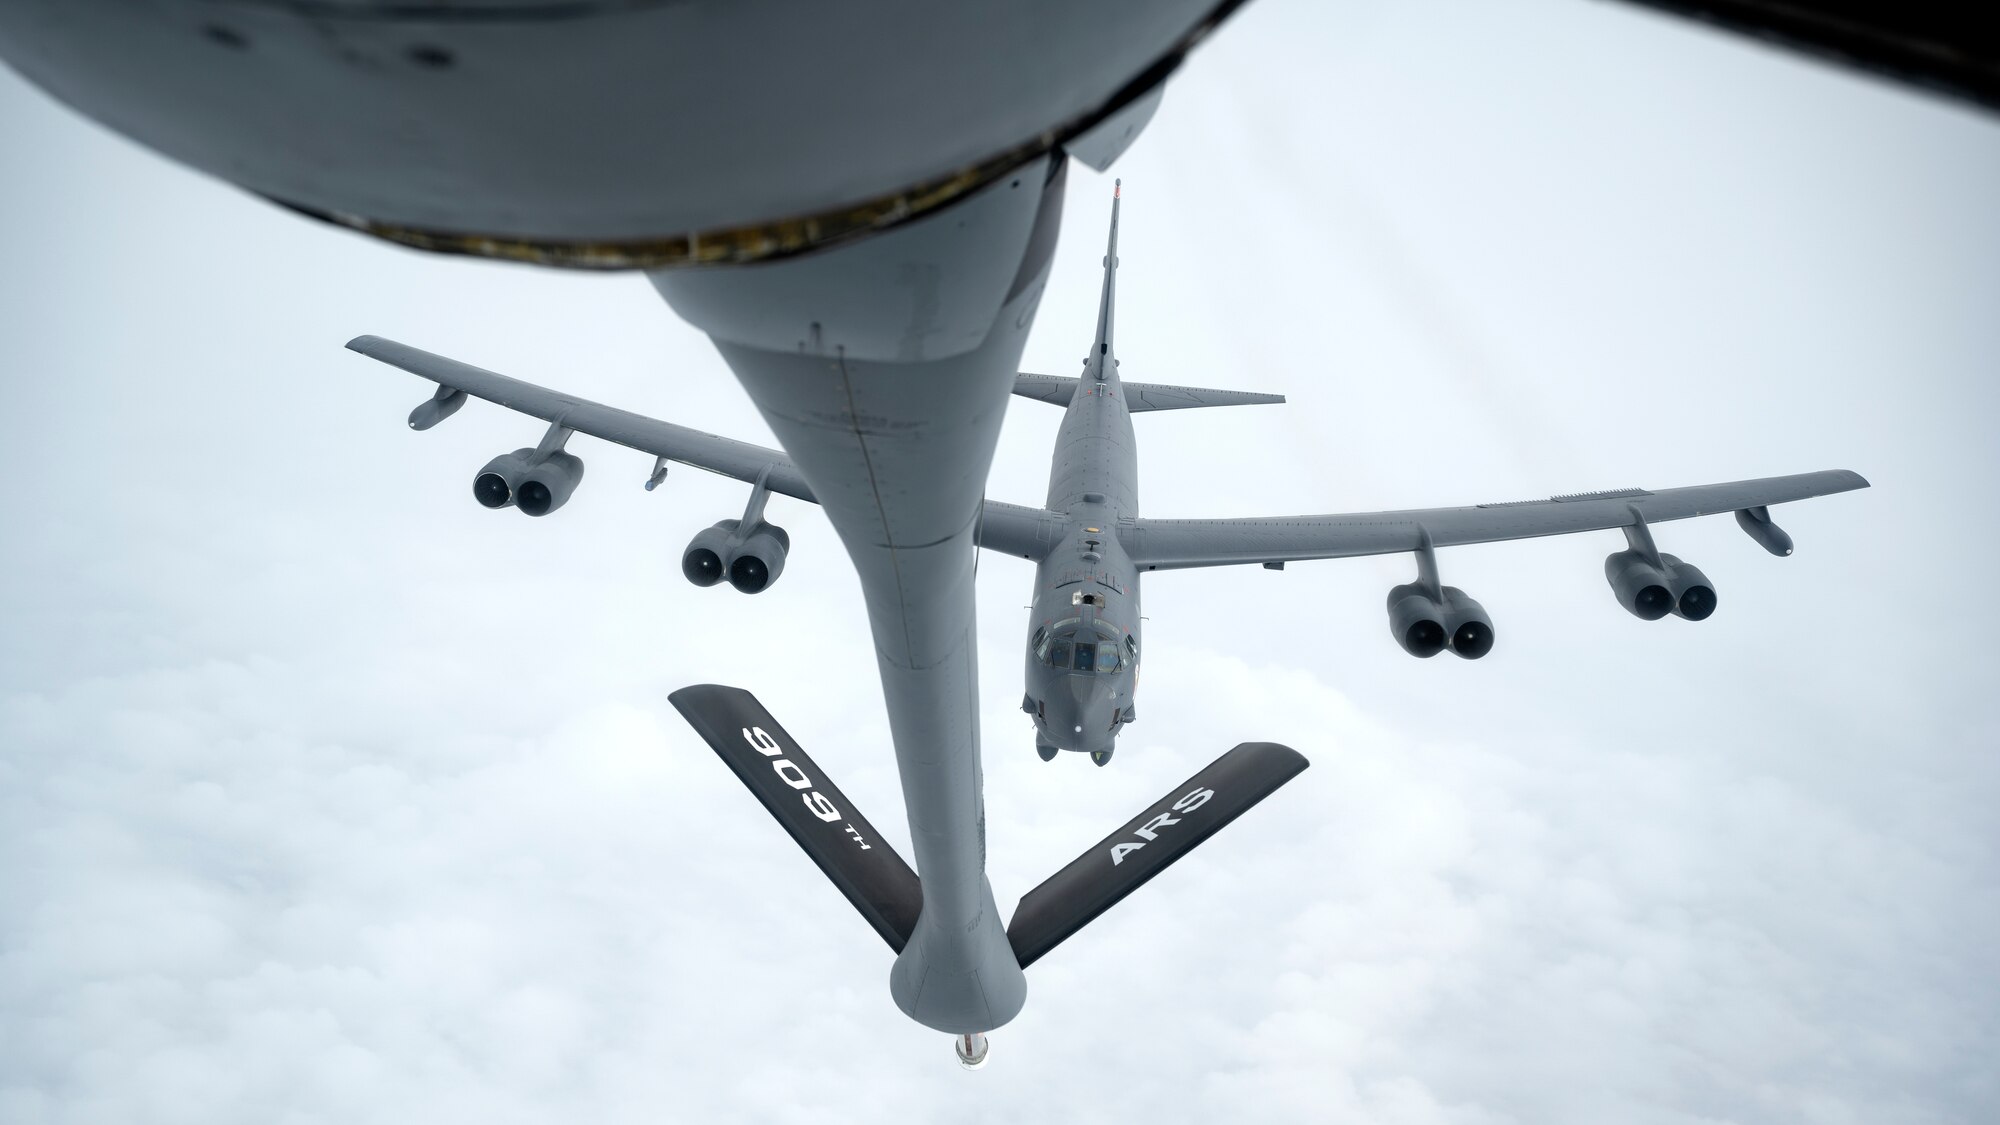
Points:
[[972, 1048], [1046, 751], [1101, 757]]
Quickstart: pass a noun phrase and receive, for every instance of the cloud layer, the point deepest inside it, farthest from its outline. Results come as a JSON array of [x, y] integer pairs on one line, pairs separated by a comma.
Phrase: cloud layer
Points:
[[327, 796]]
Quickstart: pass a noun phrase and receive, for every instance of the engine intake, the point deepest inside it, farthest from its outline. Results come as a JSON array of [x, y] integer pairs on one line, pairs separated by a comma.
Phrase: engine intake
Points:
[[1425, 626], [537, 484], [1694, 595], [1639, 585], [1651, 592], [760, 560], [1416, 621], [494, 486], [547, 485], [751, 562], [702, 561], [1471, 628]]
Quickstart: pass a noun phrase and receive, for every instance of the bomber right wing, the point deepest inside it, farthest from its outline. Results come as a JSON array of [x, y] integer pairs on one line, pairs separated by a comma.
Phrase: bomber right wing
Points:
[[726, 456], [1171, 544]]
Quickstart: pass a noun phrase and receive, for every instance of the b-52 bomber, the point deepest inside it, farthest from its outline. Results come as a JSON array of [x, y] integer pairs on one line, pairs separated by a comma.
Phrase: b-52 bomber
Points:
[[1083, 646], [779, 185], [1089, 541]]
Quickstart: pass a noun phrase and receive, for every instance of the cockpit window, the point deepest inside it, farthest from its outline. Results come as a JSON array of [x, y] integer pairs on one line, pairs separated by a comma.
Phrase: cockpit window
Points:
[[1082, 650]]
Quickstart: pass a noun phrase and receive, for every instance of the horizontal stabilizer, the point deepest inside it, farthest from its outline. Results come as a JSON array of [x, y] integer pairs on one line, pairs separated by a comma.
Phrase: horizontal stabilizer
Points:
[[1123, 861], [1139, 397], [848, 850]]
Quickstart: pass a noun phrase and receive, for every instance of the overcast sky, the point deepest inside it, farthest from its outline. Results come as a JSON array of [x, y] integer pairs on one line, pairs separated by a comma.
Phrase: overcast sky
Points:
[[328, 796]]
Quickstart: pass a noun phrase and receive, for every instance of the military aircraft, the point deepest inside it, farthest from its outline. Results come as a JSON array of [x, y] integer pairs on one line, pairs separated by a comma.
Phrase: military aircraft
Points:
[[1089, 540], [1083, 648], [858, 204]]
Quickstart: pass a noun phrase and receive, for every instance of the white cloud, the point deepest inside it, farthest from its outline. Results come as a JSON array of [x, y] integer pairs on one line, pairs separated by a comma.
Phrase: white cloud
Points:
[[325, 796]]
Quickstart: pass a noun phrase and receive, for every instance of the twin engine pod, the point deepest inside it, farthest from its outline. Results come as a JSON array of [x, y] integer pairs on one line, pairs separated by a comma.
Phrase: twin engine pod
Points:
[[751, 561], [1651, 592], [536, 484], [1425, 626]]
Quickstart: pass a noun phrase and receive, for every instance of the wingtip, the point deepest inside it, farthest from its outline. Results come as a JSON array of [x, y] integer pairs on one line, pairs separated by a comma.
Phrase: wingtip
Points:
[[683, 698], [1278, 750], [363, 343]]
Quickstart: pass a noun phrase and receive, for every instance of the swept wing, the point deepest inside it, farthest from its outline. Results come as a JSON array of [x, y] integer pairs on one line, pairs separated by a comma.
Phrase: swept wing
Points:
[[1172, 544], [1008, 528]]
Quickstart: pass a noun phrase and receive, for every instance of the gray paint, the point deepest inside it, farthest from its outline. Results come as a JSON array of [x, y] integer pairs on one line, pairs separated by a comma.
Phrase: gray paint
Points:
[[604, 122], [889, 399], [1085, 583], [897, 452], [586, 132], [870, 425], [1169, 544], [1139, 398], [1087, 580], [1810, 751]]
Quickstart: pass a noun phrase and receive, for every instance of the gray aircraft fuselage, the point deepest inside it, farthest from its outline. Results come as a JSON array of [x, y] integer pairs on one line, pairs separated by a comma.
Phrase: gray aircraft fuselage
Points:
[[1083, 639]]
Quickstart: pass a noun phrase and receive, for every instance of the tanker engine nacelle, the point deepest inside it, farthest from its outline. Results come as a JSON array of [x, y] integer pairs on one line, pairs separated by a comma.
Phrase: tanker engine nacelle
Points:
[[751, 561], [1425, 626], [536, 484], [1651, 592]]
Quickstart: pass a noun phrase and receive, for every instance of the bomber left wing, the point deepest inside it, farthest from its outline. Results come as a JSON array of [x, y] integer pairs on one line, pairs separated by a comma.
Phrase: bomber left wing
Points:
[[1007, 528]]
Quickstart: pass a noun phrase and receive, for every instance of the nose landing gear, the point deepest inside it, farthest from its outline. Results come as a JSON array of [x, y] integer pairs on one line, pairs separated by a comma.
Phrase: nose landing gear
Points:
[[1101, 757], [971, 1048]]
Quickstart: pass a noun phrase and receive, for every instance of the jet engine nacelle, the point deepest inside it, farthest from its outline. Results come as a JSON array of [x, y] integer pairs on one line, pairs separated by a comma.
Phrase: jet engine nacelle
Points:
[[760, 559], [547, 485], [1425, 626], [1416, 621], [494, 486], [751, 562], [702, 562], [537, 486], [1694, 595], [1651, 592]]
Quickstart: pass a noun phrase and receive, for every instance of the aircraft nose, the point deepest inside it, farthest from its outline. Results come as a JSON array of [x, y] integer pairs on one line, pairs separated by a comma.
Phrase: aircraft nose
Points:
[[1089, 709]]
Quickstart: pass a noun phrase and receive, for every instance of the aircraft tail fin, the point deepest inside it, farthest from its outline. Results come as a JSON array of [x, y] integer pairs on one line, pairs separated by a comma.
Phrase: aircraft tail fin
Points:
[[1139, 397], [1122, 862], [1106, 300], [806, 803]]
